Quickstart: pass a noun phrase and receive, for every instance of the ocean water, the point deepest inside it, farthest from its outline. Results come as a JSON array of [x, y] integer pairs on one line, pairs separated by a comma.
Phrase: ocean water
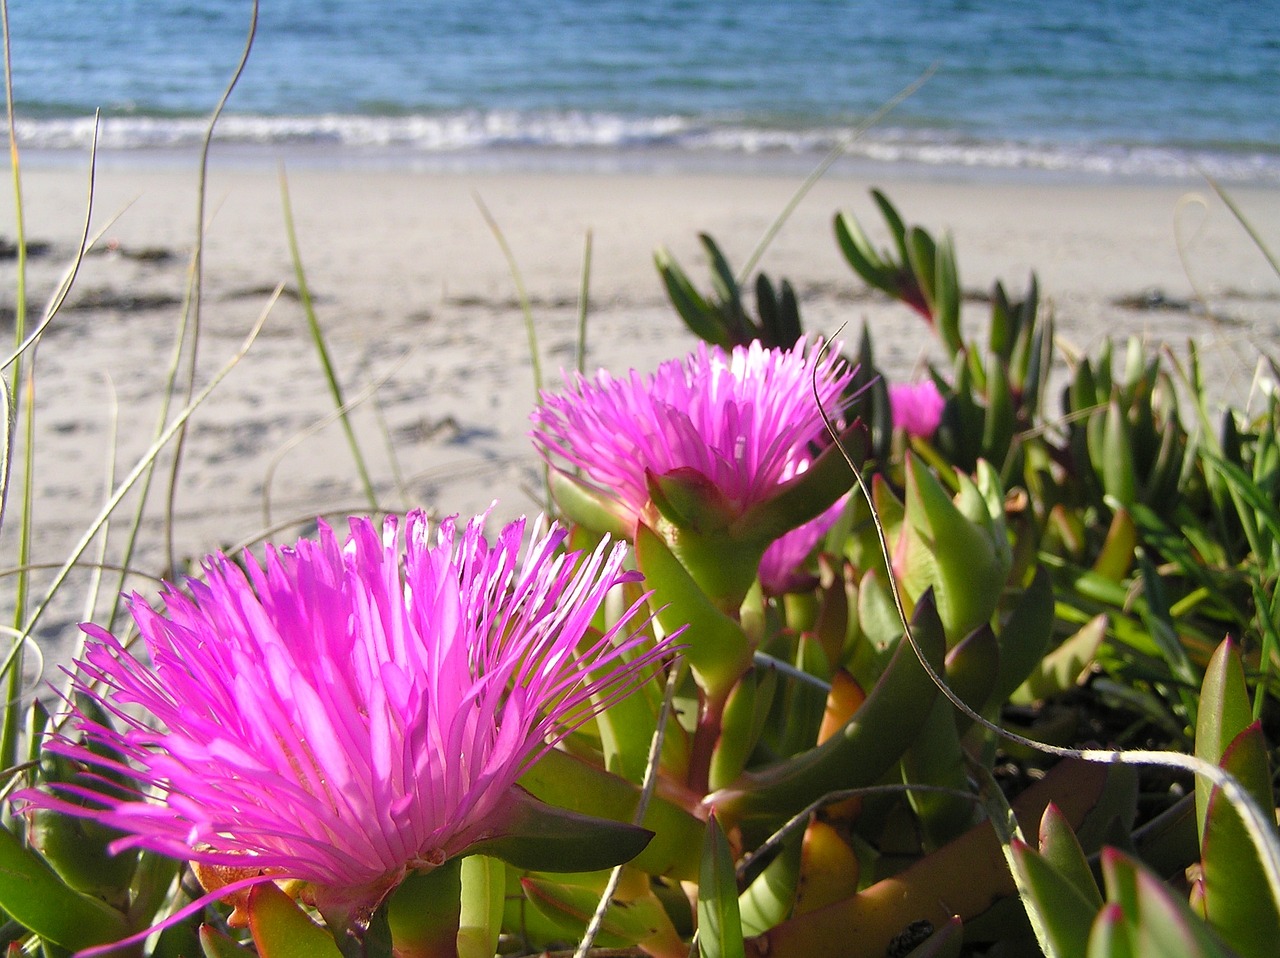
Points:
[[1145, 88]]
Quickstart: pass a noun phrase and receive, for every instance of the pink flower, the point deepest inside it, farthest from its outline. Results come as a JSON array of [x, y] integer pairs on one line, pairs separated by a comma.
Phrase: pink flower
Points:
[[917, 407], [742, 422], [782, 565], [346, 713]]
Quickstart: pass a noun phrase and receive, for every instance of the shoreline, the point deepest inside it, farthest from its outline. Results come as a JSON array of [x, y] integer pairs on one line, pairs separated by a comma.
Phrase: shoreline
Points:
[[1161, 166], [416, 299]]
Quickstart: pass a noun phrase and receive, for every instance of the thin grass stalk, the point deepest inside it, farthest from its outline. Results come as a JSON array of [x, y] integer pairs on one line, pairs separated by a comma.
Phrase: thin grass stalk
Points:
[[393, 456], [190, 305], [1247, 226], [23, 374], [820, 170], [6, 442], [526, 308], [94, 587], [584, 305], [143, 467], [191, 323], [322, 350]]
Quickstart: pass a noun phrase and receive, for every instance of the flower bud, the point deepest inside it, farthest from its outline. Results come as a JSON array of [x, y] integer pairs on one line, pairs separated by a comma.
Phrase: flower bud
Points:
[[958, 547]]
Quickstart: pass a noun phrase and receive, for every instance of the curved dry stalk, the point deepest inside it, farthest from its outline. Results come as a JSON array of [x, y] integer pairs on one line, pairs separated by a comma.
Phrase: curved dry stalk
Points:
[[24, 642], [93, 590], [69, 276], [191, 320], [143, 466]]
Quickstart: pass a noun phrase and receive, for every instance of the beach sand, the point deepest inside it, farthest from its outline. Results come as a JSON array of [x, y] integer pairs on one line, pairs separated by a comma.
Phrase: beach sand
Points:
[[416, 299]]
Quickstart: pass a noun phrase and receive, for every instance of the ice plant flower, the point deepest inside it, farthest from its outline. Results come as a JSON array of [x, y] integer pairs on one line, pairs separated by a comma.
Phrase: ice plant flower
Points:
[[346, 713], [718, 453], [917, 407], [781, 566]]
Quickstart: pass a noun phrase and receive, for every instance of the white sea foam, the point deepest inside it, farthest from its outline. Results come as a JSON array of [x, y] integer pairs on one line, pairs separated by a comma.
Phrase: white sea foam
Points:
[[548, 133]]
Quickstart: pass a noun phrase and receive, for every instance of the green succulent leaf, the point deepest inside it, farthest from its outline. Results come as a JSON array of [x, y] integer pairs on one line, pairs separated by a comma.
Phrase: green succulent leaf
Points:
[[588, 506], [422, 916], [1157, 921], [873, 739], [1237, 898], [1025, 636], [1062, 852], [1063, 668], [567, 782], [215, 944], [483, 888], [1224, 713], [1064, 913], [533, 835], [282, 930], [716, 648], [34, 896], [772, 894], [719, 921], [700, 316]]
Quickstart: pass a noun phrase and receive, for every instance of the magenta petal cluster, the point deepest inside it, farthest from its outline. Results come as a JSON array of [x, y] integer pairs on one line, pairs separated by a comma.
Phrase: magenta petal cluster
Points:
[[343, 713], [917, 407], [745, 420], [782, 565]]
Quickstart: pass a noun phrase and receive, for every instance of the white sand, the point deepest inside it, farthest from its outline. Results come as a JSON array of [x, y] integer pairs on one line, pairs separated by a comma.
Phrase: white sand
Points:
[[413, 292]]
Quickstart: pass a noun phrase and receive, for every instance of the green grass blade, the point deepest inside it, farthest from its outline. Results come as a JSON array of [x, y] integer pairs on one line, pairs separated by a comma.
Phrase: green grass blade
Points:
[[322, 350]]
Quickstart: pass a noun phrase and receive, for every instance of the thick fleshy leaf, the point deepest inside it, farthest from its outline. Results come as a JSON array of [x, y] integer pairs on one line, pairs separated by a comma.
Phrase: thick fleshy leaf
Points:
[[689, 499], [699, 315], [772, 894], [1115, 559], [35, 897], [589, 506], [965, 878], [281, 930], [1062, 851], [423, 913], [1224, 713], [739, 732], [533, 835], [1064, 913], [956, 547], [1237, 898], [936, 759], [1063, 668], [634, 915], [1109, 937], [973, 667], [1025, 635], [873, 739], [829, 868], [715, 646], [719, 922], [215, 944], [810, 493], [566, 782], [483, 881], [1158, 920]]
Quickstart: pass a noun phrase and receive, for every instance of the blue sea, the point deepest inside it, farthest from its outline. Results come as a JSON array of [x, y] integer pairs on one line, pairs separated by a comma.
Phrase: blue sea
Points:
[[1112, 88]]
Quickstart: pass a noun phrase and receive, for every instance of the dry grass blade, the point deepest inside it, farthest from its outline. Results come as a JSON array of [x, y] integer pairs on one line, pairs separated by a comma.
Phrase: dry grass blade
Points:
[[144, 464]]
